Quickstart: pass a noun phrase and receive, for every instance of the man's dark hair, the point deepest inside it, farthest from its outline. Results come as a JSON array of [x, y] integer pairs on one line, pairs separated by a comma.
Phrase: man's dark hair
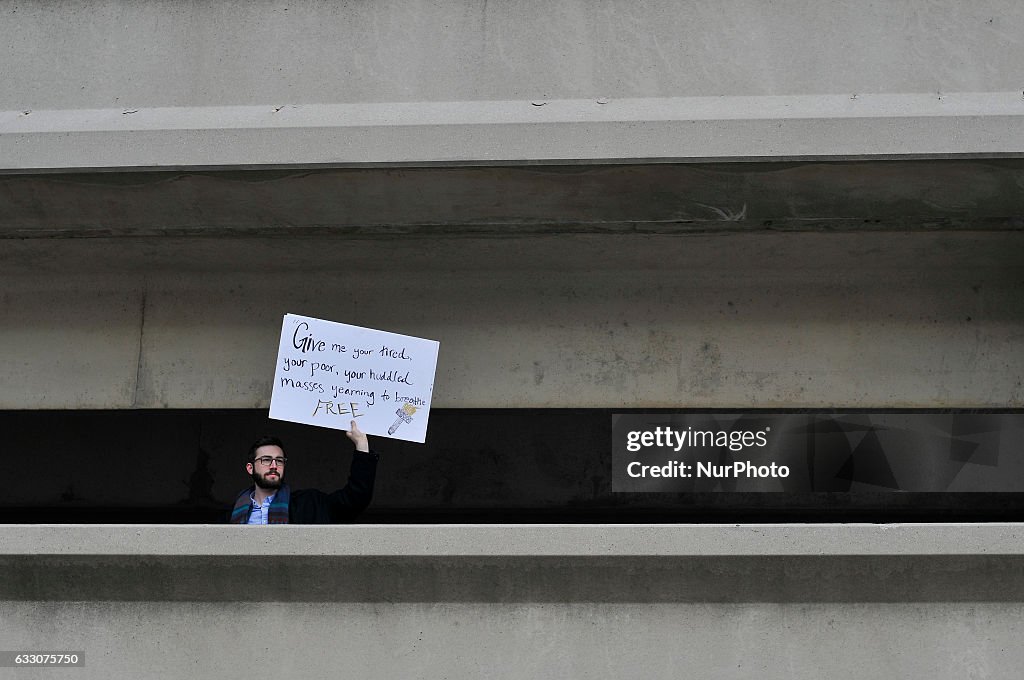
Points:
[[266, 440]]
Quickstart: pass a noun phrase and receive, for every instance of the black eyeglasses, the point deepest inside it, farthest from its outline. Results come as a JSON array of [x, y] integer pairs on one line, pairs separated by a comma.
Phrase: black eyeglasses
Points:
[[267, 460]]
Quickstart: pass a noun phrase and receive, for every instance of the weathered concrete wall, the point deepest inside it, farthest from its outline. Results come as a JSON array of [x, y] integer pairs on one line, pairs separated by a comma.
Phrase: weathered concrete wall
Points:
[[382, 640], [710, 198], [765, 285], [118, 84], [670, 291], [937, 601], [745, 320], [98, 54]]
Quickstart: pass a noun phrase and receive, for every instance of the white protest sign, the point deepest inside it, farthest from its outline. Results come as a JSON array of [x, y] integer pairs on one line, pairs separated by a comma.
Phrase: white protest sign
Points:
[[329, 374]]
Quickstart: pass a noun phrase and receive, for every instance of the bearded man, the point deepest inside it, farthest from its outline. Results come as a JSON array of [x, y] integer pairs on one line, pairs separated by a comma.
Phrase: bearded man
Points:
[[270, 501]]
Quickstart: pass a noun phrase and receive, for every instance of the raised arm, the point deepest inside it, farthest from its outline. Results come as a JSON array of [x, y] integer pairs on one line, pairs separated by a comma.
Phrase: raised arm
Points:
[[346, 503]]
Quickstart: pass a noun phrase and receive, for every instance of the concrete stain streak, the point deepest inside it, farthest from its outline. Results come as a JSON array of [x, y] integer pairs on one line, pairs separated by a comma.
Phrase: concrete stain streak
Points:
[[706, 369], [138, 358]]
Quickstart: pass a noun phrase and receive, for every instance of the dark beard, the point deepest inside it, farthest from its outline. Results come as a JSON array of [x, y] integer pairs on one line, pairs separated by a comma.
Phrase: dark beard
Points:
[[264, 483]]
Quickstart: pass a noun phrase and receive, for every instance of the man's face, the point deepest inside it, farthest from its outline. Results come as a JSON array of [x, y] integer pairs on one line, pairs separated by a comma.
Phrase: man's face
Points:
[[268, 469]]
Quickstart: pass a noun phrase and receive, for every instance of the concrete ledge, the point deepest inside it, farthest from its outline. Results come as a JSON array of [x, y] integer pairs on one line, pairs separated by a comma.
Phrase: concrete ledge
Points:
[[662, 129], [514, 564], [750, 601], [516, 540]]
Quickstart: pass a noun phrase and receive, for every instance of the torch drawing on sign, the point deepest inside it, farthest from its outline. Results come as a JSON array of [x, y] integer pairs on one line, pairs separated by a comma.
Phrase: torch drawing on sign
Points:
[[404, 416]]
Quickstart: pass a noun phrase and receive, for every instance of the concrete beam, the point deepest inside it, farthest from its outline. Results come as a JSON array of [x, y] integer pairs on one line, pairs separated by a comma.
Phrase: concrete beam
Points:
[[767, 602], [568, 320], [964, 195], [517, 540], [600, 130], [267, 83], [376, 640]]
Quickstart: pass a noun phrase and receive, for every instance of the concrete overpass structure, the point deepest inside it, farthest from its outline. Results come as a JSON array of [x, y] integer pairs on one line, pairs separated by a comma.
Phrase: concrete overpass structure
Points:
[[592, 206]]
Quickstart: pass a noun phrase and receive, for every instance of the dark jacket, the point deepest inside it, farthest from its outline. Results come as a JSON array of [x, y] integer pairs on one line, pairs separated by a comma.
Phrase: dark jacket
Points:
[[312, 506]]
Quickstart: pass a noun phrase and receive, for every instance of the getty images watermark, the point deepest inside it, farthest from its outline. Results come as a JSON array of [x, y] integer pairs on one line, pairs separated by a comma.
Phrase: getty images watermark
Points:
[[947, 451], [669, 439], [697, 452]]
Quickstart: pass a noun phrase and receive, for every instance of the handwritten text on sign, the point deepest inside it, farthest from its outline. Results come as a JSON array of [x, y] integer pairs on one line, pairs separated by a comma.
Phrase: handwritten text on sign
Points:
[[329, 374]]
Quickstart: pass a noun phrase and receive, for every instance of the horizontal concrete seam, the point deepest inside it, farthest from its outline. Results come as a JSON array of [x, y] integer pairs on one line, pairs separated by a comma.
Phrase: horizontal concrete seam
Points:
[[509, 230], [53, 169], [398, 554]]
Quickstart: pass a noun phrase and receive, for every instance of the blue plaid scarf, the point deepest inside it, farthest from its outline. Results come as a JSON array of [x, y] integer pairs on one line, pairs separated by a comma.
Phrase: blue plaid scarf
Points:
[[278, 513]]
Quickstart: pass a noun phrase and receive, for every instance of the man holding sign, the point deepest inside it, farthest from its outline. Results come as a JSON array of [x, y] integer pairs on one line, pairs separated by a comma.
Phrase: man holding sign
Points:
[[270, 501], [329, 374]]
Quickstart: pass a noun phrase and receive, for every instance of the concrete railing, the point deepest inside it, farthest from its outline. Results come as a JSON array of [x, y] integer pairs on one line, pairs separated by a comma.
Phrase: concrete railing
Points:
[[384, 601], [692, 541]]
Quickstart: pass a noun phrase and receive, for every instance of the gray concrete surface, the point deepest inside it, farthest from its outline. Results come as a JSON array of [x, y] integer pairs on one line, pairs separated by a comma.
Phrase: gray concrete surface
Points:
[[382, 640], [846, 126], [116, 54], [718, 198], [90, 85], [512, 601], [517, 540], [744, 320], [927, 312]]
